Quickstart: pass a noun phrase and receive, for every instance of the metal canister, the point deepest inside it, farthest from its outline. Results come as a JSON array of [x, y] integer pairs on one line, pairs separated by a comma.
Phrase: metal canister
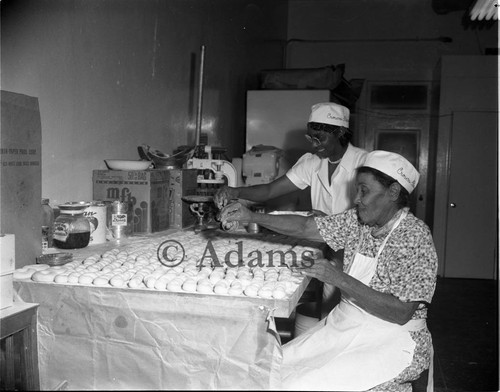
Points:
[[120, 219], [254, 227], [96, 213]]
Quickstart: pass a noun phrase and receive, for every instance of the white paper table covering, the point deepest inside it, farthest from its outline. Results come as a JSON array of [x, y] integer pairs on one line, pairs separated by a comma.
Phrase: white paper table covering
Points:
[[108, 338], [99, 338]]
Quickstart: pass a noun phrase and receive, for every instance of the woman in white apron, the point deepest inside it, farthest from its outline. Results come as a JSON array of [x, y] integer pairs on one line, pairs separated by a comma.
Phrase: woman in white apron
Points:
[[376, 339]]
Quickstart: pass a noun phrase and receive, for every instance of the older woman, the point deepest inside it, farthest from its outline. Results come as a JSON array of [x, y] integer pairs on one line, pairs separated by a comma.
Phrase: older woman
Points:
[[376, 338]]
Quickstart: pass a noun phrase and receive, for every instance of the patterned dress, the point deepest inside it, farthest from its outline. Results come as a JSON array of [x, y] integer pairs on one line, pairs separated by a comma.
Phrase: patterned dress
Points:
[[407, 269]]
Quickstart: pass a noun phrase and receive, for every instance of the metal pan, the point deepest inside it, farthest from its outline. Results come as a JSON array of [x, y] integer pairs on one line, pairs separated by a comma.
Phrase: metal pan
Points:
[[198, 199]]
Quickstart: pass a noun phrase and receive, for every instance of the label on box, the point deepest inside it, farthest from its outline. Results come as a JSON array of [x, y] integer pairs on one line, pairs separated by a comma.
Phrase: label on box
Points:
[[155, 195], [118, 219]]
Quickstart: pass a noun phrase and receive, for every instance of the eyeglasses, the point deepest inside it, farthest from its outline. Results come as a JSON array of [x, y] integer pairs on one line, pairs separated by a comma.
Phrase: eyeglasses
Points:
[[316, 140]]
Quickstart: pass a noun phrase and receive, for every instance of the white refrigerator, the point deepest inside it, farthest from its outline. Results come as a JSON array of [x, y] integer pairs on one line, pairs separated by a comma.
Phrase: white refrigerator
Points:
[[279, 118]]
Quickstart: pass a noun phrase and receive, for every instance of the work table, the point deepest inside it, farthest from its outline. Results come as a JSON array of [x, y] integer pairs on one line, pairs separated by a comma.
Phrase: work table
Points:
[[121, 338]]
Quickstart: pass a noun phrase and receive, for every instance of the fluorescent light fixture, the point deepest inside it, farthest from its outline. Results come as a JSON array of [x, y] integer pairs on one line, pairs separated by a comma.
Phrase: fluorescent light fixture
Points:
[[485, 10]]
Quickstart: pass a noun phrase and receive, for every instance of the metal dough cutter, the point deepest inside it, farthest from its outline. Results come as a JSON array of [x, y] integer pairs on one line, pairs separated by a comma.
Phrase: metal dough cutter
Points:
[[203, 208]]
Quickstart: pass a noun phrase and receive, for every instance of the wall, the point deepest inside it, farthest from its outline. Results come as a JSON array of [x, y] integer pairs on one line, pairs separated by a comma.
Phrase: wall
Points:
[[380, 39], [467, 84], [111, 75], [388, 40]]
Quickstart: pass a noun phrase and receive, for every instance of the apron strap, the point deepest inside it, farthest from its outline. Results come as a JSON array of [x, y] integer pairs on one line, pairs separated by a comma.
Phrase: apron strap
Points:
[[414, 325], [430, 379], [403, 215]]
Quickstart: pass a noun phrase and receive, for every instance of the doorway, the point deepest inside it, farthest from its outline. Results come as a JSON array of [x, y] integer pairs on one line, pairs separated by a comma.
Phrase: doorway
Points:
[[397, 119], [471, 224]]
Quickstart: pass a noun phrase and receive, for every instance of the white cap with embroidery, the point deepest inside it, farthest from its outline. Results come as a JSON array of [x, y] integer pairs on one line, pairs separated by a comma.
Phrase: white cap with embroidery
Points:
[[395, 166], [330, 113]]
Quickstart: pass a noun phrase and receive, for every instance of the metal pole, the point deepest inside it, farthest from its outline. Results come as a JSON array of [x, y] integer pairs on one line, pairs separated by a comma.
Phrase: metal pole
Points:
[[200, 96]]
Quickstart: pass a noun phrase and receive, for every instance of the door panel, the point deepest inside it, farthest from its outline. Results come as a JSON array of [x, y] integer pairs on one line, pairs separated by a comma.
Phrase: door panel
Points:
[[471, 229], [398, 120], [407, 135], [404, 142]]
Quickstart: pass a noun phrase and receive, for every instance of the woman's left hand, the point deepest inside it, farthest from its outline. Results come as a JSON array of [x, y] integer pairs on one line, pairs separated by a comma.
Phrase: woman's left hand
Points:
[[235, 212], [324, 270]]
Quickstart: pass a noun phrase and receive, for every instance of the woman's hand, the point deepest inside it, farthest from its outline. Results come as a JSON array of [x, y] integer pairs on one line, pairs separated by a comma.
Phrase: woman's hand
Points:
[[322, 269], [318, 213], [224, 195], [235, 212]]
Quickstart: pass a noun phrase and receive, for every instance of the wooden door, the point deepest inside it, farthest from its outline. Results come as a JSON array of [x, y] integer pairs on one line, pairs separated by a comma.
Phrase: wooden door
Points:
[[408, 137], [471, 226], [398, 120]]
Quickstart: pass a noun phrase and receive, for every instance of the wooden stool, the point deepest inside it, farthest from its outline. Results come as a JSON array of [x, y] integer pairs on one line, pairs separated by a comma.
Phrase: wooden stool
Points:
[[19, 350]]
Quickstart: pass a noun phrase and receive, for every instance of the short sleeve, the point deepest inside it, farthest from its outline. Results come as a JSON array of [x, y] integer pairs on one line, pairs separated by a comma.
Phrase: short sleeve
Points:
[[336, 229], [301, 173]]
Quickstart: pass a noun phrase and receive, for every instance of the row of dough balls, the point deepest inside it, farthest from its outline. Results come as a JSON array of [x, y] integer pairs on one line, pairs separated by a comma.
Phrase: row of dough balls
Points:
[[141, 270], [194, 248]]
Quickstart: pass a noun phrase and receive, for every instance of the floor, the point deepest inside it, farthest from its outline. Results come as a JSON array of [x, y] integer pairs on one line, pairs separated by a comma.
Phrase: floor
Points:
[[463, 320]]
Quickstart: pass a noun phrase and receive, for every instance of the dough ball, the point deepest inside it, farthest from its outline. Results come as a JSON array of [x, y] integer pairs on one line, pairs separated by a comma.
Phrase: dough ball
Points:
[[117, 281], [251, 291], [204, 288], [61, 278], [189, 285], [134, 282], [279, 293], [265, 292], [86, 279], [23, 273], [45, 276]]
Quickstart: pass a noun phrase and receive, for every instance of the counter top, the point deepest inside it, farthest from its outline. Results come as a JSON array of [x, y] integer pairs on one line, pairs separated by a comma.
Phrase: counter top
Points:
[[144, 338], [200, 245]]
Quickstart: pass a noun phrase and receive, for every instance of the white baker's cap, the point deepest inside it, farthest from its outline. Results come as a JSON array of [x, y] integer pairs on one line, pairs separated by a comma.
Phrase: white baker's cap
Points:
[[395, 166], [330, 113]]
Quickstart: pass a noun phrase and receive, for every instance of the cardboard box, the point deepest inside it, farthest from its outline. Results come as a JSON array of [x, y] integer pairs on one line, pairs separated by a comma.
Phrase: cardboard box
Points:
[[7, 253], [6, 290], [154, 194], [182, 182], [21, 175]]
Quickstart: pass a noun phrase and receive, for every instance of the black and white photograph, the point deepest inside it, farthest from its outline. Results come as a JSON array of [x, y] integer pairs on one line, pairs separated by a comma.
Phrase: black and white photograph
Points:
[[249, 195]]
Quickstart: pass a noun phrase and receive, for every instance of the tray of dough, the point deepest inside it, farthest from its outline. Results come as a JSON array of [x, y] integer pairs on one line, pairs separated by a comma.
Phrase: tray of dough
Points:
[[255, 268]]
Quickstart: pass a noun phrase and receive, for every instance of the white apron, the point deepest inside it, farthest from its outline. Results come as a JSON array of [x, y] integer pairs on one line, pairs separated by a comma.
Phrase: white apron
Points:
[[350, 350]]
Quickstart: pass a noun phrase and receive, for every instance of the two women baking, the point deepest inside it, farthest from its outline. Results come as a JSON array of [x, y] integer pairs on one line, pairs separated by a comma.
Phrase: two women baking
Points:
[[376, 338]]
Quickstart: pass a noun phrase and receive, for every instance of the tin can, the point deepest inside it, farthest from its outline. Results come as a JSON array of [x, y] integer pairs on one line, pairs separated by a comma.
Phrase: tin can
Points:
[[97, 216], [120, 219], [254, 227]]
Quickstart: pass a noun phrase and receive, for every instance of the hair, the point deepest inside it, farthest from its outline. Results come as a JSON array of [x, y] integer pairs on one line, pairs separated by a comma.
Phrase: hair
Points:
[[386, 181], [343, 134]]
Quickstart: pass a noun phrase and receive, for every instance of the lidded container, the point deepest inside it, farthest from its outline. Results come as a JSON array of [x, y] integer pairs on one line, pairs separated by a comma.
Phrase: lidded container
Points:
[[71, 227], [119, 217], [47, 224]]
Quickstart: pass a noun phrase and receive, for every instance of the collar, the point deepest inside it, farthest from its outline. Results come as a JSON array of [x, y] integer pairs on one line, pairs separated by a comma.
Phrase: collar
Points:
[[347, 162], [378, 232]]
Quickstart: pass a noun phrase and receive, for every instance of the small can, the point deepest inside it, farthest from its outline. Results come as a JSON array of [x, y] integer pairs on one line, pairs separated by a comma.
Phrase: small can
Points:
[[120, 219], [254, 227], [96, 214]]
